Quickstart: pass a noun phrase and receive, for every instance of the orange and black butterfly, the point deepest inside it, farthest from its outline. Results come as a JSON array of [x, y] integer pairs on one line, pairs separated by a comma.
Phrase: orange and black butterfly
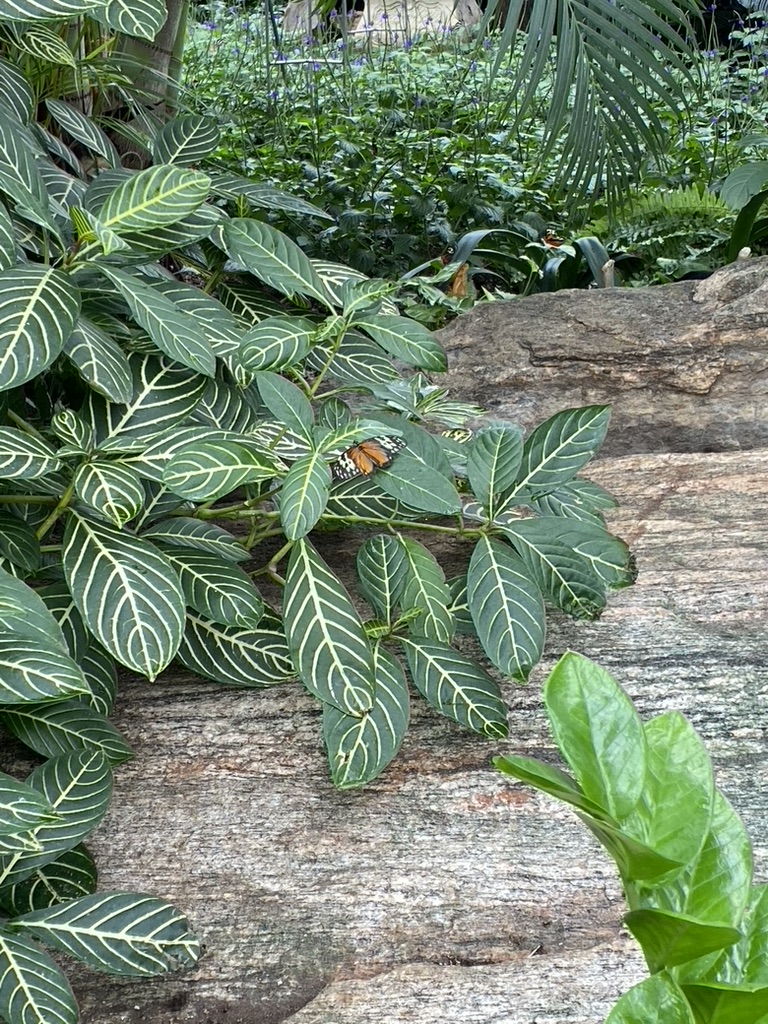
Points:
[[364, 458]]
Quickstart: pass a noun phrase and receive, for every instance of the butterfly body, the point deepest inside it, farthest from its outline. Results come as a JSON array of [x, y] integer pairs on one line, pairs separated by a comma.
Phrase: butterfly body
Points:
[[366, 457]]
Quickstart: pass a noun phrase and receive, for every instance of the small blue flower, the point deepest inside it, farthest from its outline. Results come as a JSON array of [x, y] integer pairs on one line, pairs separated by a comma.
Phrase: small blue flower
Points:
[[209, 25]]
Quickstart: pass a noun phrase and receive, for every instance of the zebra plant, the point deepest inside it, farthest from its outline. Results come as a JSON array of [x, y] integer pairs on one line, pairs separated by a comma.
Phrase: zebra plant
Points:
[[187, 403]]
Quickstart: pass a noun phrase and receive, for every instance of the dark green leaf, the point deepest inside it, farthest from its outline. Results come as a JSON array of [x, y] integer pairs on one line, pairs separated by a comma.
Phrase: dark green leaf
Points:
[[668, 939]]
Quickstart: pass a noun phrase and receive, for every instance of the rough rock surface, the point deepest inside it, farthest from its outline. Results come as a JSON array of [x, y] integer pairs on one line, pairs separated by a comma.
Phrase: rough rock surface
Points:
[[443, 893]]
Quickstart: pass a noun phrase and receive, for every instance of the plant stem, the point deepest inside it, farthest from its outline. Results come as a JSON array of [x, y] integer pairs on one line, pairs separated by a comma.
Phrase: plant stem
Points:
[[57, 512]]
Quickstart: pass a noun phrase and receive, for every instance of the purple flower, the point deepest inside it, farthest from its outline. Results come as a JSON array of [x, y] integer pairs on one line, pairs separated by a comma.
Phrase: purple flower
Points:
[[208, 25]]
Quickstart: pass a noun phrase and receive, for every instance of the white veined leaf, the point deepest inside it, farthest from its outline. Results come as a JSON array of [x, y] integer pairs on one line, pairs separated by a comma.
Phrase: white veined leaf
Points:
[[23, 612], [326, 638], [141, 19], [56, 728], [230, 186], [493, 462], [32, 671], [304, 495], [59, 603], [53, 144], [117, 932], [18, 166], [210, 469], [506, 607], [63, 188], [460, 606], [287, 403], [194, 533], [78, 787], [47, 45], [359, 749], [282, 442], [186, 141], [17, 98], [47, 10], [152, 198], [358, 360], [21, 807], [113, 491], [71, 875], [83, 129], [608, 556], [420, 486], [276, 343], [336, 275], [247, 300], [72, 430], [38, 310], [18, 542], [456, 687], [153, 460], [146, 246], [236, 657], [421, 584], [229, 407], [7, 240], [24, 457], [407, 340], [101, 675], [217, 589], [100, 360], [32, 986], [127, 593], [174, 332], [222, 330], [271, 256], [359, 499], [381, 569]]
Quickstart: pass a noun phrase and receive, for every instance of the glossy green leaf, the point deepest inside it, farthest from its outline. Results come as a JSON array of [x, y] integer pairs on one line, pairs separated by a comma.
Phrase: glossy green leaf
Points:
[[101, 675], [45, 10], [636, 861], [18, 542], [276, 343], [236, 657], [286, 402], [381, 565], [83, 129], [579, 499], [17, 97], [359, 749], [608, 556], [71, 875], [23, 612], [100, 360], [358, 360], [326, 638], [44, 43], [506, 607], [113, 491], [186, 141], [217, 589], [230, 186], [23, 456], [154, 197], [493, 463], [558, 448], [56, 728], [419, 486], [599, 733], [220, 327], [38, 310], [422, 586], [127, 593], [31, 670], [657, 1000], [21, 807], [181, 532], [669, 939], [210, 469], [59, 603], [550, 780], [406, 340], [33, 988], [456, 687], [304, 495], [719, 1004]]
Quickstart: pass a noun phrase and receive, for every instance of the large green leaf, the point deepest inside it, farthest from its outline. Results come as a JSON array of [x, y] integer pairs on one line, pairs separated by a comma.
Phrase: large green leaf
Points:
[[100, 360], [56, 728], [120, 933], [358, 360], [18, 542], [33, 988], [506, 607], [84, 130], [175, 332], [273, 257], [422, 587], [657, 1000], [58, 601], [38, 310], [194, 533], [101, 675], [456, 686], [359, 749], [24, 456], [21, 807], [230, 186], [210, 469], [304, 495], [186, 141], [276, 343], [668, 939], [7, 240], [30, 670], [406, 340], [46, 44], [78, 787], [222, 330], [17, 97], [217, 589], [23, 612], [19, 174], [127, 593], [420, 486], [46, 10], [71, 875], [152, 198], [608, 556], [493, 463], [286, 402], [113, 491], [325, 635], [381, 569], [236, 657]]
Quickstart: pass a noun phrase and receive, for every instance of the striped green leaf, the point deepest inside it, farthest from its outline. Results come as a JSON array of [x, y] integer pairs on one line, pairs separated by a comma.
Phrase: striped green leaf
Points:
[[59, 603], [53, 729], [7, 240], [18, 542], [20, 842], [286, 402], [121, 933], [229, 407], [112, 490], [21, 807], [100, 360], [325, 635], [62, 187], [210, 469], [217, 589], [24, 457], [422, 585], [186, 141], [56, 148], [34, 671], [141, 19], [271, 256], [236, 657], [361, 498], [459, 607], [493, 463], [23, 611], [152, 198], [358, 361], [420, 486], [78, 787], [42, 42], [608, 556], [304, 495], [564, 577], [359, 749], [276, 343], [151, 461], [38, 310], [230, 186], [202, 536], [72, 430], [19, 173], [71, 875], [249, 302], [335, 276], [456, 687], [101, 675], [127, 593], [222, 330], [83, 129], [175, 332], [561, 446], [407, 340], [163, 396], [506, 607], [382, 565], [17, 97], [146, 246], [47, 10], [32, 986]]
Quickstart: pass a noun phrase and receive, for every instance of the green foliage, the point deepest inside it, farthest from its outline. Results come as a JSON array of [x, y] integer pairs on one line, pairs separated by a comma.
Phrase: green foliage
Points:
[[646, 791]]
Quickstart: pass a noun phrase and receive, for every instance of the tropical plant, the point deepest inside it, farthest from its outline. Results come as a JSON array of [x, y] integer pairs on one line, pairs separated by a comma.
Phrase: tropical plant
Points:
[[646, 791]]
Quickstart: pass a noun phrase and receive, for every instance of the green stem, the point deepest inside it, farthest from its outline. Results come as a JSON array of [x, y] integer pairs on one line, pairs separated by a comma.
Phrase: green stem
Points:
[[26, 499], [23, 425], [57, 512]]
